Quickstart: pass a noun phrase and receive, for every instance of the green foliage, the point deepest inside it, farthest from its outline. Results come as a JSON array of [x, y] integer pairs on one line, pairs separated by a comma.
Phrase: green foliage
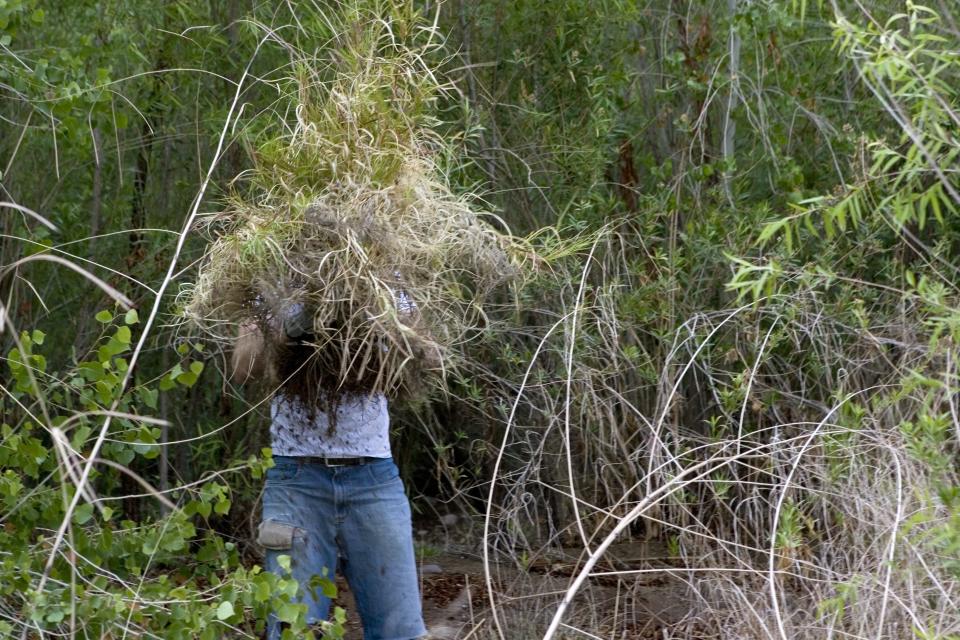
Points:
[[879, 249], [907, 182], [773, 245], [176, 556]]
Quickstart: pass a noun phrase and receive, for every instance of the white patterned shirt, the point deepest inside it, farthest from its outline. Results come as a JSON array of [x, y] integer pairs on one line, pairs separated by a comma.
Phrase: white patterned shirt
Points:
[[363, 424], [362, 429]]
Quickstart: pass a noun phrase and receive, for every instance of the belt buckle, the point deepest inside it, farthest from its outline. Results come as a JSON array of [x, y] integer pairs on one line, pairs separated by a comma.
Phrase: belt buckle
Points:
[[327, 462]]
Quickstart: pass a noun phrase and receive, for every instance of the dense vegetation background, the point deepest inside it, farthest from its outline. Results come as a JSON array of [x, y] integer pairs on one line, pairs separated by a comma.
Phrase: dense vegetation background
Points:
[[743, 341]]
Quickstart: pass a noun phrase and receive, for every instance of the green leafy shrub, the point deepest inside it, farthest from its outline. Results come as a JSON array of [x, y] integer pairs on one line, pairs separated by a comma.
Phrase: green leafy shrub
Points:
[[169, 574]]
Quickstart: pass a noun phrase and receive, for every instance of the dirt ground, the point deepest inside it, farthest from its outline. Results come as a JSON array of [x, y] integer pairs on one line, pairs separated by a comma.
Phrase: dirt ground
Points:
[[615, 606]]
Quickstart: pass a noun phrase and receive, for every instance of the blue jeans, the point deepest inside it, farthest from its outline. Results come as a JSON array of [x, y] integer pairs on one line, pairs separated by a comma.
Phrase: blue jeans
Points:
[[358, 515]]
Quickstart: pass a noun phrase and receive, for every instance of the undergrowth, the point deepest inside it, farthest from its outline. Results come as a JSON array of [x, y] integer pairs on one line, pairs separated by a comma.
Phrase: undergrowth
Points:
[[745, 346]]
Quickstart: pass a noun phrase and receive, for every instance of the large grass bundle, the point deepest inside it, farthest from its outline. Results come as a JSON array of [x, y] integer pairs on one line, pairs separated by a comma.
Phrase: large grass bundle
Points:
[[348, 213]]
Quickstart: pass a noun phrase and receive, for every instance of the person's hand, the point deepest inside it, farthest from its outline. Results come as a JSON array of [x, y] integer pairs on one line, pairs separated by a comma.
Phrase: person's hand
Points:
[[429, 354], [297, 320]]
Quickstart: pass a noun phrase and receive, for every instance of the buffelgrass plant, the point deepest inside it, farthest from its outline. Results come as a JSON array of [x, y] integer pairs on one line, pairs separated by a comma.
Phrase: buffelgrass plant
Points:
[[348, 212]]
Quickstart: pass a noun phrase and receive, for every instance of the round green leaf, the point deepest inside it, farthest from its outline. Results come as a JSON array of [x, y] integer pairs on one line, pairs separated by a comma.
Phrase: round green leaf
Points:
[[83, 513], [123, 335], [225, 610]]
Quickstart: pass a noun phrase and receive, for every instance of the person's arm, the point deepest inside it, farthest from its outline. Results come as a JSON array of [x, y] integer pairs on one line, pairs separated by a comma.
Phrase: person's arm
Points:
[[247, 359]]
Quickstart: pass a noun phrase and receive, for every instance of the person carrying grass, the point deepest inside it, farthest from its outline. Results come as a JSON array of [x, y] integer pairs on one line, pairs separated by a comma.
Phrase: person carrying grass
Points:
[[333, 499]]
